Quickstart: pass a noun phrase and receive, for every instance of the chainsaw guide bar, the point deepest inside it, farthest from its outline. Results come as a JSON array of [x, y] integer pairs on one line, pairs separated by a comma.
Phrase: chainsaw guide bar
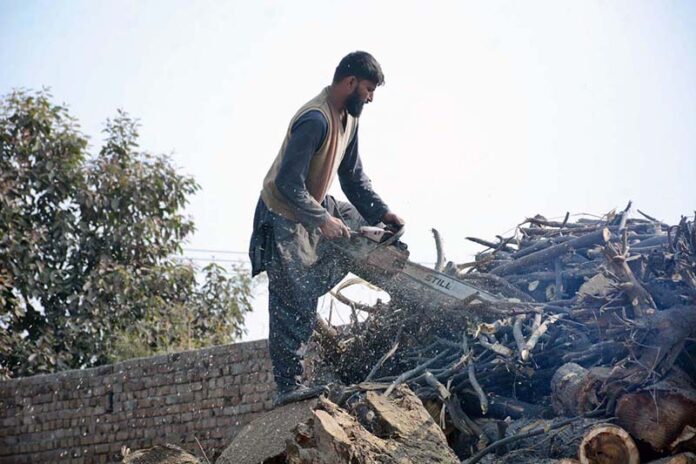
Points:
[[377, 256]]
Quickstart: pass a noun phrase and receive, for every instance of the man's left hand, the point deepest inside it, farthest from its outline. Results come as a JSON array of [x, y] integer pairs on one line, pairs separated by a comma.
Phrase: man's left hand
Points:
[[392, 219]]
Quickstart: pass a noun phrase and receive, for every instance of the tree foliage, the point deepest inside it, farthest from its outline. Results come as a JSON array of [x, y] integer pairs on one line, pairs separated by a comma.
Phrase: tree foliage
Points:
[[88, 248]]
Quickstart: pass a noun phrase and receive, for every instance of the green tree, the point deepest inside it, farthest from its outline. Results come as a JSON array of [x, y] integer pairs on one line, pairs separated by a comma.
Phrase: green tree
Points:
[[88, 248]]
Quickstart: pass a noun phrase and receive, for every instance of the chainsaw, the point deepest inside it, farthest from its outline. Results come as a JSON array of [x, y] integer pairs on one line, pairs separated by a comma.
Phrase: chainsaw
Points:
[[378, 256]]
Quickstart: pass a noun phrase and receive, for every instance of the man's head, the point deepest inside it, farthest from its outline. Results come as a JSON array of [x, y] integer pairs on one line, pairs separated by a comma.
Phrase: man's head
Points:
[[356, 78]]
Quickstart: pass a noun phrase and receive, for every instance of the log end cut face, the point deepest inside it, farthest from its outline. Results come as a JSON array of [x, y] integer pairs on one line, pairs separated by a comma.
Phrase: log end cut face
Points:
[[608, 444]]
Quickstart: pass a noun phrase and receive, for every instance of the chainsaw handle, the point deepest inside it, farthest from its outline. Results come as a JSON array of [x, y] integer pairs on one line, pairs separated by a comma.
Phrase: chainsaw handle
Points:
[[396, 236]]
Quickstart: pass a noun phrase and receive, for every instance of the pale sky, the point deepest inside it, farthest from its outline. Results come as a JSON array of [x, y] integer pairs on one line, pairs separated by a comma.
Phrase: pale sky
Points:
[[492, 111]]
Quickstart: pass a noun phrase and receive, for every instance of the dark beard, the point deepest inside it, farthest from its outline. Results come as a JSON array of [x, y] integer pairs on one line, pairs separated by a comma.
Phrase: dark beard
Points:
[[354, 104]]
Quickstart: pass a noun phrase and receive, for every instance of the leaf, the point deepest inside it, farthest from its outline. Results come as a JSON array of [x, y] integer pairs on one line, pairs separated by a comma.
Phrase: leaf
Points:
[[88, 243]]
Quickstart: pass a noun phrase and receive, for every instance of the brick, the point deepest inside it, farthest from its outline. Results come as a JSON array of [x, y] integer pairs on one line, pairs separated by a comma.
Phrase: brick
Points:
[[145, 400], [195, 386]]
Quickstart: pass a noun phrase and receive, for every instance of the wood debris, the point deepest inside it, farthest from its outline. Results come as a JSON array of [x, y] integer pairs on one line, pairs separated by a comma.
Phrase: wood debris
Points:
[[598, 324]]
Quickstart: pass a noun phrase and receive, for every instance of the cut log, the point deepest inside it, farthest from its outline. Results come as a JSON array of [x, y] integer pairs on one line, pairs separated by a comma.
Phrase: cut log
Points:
[[554, 251], [562, 442], [608, 444], [501, 407], [540, 244], [565, 386], [656, 240], [682, 458], [672, 327], [659, 415], [686, 441], [599, 286], [575, 390], [667, 333], [561, 438]]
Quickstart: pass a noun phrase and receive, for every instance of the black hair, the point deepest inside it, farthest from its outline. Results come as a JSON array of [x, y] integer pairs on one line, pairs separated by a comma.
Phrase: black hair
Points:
[[361, 65]]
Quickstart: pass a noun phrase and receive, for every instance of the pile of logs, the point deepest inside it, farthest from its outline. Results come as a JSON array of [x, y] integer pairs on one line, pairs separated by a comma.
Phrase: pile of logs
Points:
[[590, 355]]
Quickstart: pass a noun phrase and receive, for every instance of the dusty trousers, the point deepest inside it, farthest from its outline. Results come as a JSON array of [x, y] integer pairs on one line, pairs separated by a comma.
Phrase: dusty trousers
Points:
[[301, 267]]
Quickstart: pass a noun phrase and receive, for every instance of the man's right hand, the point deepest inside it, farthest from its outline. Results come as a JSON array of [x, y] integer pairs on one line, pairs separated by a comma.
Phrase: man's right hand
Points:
[[334, 228]]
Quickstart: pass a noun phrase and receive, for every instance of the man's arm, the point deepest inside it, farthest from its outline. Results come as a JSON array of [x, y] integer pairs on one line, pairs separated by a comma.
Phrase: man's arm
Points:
[[358, 187], [306, 136]]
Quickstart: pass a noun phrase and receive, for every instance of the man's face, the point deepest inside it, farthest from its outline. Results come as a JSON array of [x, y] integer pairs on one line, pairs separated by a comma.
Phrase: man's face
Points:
[[363, 93]]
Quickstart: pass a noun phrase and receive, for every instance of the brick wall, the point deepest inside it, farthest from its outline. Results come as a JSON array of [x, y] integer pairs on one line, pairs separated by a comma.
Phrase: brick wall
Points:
[[85, 416]]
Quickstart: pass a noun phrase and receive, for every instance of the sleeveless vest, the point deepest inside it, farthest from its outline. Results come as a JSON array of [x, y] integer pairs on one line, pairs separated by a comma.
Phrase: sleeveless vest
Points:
[[325, 162]]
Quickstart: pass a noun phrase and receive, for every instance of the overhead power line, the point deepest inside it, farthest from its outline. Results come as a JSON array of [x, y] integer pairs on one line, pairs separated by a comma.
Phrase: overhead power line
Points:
[[213, 259], [205, 250]]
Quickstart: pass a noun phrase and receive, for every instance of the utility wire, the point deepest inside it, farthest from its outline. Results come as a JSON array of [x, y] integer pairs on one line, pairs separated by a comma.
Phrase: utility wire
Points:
[[213, 260], [205, 250]]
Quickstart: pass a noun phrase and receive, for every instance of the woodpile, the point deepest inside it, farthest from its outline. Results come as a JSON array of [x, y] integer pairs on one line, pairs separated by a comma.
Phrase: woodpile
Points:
[[590, 355]]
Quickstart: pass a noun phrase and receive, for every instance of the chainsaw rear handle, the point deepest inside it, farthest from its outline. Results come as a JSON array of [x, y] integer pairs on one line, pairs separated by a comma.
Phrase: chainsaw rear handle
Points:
[[394, 235]]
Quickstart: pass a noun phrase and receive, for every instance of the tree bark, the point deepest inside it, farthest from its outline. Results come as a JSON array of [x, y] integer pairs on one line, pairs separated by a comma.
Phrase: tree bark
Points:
[[575, 390], [552, 252], [682, 458], [658, 415]]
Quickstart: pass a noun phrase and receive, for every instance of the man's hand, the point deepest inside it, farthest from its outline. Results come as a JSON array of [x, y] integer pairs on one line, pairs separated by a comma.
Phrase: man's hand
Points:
[[392, 219], [334, 228]]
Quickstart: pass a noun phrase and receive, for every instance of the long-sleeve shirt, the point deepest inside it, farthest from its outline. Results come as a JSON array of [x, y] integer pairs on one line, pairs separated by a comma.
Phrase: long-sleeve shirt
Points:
[[307, 135]]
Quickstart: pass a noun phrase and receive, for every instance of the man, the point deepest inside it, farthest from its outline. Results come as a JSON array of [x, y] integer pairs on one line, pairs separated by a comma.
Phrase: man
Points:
[[295, 219]]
